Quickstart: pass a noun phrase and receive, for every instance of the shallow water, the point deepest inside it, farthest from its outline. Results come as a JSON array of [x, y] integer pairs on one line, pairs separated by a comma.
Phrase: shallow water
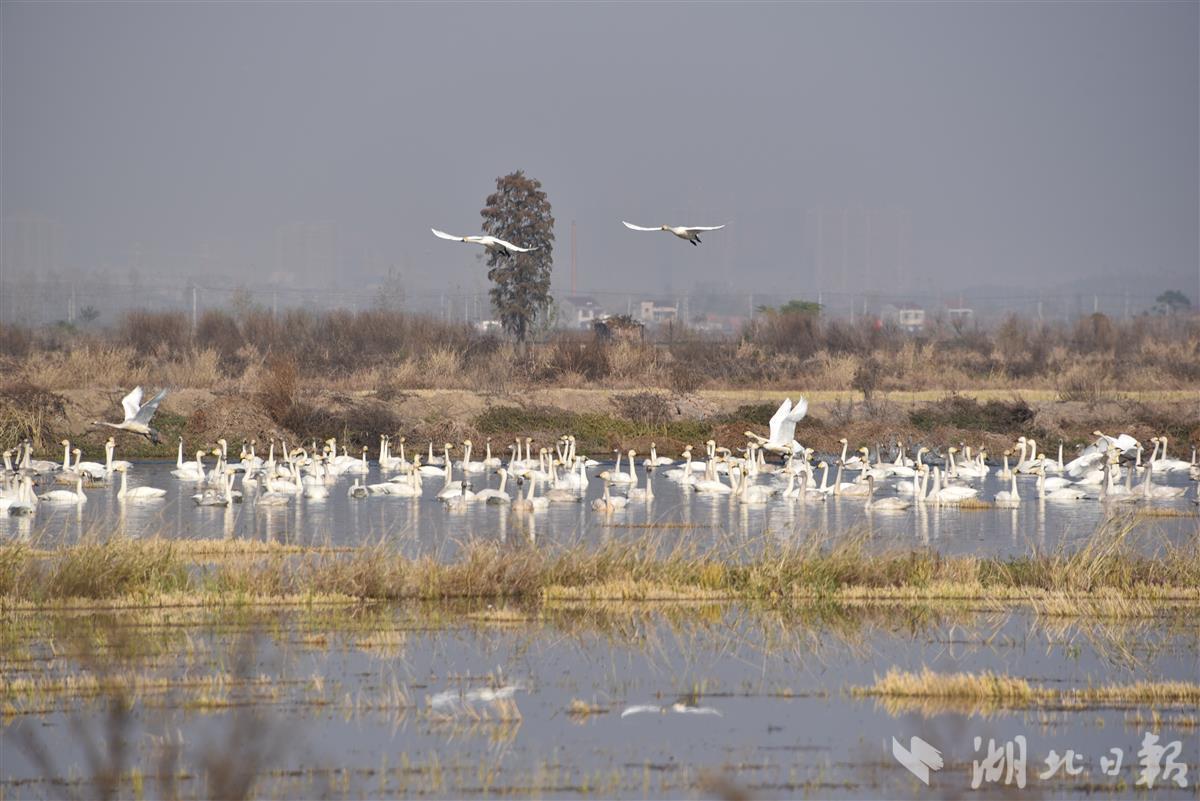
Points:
[[396, 701], [426, 526]]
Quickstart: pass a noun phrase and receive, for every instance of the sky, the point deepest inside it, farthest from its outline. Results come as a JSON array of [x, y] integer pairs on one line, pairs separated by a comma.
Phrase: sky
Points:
[[899, 146]]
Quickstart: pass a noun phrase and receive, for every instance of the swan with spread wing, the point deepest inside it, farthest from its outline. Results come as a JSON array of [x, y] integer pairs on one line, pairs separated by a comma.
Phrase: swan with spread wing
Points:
[[783, 428], [493, 244], [138, 415], [690, 233]]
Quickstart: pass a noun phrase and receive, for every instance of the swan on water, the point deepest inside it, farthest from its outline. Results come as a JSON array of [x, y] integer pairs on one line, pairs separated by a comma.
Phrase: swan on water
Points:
[[688, 233], [65, 496], [883, 504], [1009, 498], [137, 493], [138, 415], [499, 495], [493, 244]]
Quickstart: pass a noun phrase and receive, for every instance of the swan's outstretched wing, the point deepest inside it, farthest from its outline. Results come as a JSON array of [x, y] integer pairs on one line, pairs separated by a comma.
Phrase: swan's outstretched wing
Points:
[[690, 228], [131, 403], [798, 411], [633, 227], [511, 246], [146, 413], [638, 709], [444, 235], [777, 419], [787, 427], [685, 709]]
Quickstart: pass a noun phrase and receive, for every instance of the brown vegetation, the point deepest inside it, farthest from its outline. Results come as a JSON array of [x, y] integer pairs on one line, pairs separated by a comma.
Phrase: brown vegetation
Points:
[[354, 375], [1104, 577]]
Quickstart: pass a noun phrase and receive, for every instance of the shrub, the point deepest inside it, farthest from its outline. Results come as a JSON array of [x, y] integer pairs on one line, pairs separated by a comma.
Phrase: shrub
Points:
[[151, 333], [967, 413]]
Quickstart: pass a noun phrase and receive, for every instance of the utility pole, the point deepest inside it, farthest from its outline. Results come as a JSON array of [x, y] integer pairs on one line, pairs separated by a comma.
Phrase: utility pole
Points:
[[845, 244], [193, 308], [820, 247], [573, 257]]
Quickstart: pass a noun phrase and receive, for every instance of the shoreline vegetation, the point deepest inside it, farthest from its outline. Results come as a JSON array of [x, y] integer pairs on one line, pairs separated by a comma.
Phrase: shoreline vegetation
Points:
[[247, 374], [1104, 577]]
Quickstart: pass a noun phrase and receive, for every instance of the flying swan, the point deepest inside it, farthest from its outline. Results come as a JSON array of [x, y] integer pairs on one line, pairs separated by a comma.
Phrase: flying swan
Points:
[[492, 243], [688, 232], [138, 414]]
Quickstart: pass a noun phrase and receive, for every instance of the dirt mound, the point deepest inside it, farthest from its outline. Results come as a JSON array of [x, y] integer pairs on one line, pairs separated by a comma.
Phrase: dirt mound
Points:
[[234, 419]]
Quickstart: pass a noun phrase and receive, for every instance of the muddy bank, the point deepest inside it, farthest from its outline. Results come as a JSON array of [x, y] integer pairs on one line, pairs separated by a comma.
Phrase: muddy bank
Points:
[[600, 419]]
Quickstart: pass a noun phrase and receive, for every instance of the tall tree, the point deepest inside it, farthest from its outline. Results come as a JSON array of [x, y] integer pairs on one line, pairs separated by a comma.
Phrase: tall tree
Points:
[[519, 212]]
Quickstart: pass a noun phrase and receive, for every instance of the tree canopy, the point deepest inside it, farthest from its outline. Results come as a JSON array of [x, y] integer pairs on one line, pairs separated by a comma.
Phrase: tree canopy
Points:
[[1172, 302], [519, 212]]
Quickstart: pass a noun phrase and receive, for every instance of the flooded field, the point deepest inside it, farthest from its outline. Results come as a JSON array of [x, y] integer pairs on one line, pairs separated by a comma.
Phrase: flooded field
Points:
[[625, 701], [424, 526], [394, 647]]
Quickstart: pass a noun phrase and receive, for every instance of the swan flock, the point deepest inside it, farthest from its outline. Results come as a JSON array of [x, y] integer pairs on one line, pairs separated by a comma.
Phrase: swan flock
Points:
[[1111, 470]]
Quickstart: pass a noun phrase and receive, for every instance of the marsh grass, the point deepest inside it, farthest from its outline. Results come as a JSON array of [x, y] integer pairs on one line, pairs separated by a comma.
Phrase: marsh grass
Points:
[[1106, 573], [992, 690]]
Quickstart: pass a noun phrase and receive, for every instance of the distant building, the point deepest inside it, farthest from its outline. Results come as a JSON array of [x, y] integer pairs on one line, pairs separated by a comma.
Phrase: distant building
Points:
[[579, 311], [961, 315], [652, 312], [488, 326], [909, 318]]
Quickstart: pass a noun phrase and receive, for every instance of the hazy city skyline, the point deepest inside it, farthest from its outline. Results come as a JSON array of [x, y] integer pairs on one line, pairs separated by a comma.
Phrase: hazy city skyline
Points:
[[905, 148]]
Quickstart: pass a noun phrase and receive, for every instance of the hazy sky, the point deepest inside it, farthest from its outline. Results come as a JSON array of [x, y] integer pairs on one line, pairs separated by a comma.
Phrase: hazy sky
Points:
[[1006, 143]]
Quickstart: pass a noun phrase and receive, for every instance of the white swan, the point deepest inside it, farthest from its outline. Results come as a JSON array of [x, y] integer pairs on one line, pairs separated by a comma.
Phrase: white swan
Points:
[[189, 471], [747, 493], [644, 493], [608, 502], [1149, 491], [137, 493], [493, 244], [617, 475], [65, 496], [1162, 463], [499, 495], [531, 503], [689, 233], [1009, 498], [273, 497], [783, 428], [949, 495], [883, 504], [357, 490], [138, 415], [1061, 494]]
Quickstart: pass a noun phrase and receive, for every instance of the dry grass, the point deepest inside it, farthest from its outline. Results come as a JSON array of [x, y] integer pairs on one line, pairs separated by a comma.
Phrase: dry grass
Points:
[[1104, 575], [363, 349], [928, 689]]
